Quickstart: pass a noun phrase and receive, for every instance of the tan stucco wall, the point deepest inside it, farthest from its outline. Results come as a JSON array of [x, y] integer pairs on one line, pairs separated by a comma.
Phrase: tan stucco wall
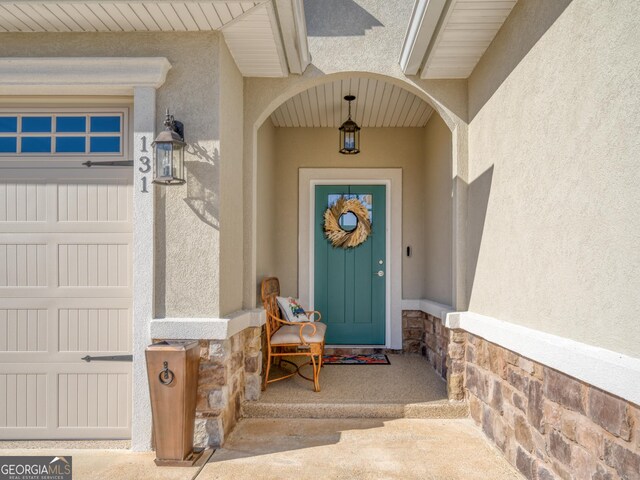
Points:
[[554, 172], [230, 160], [438, 185], [316, 148], [267, 215], [187, 218]]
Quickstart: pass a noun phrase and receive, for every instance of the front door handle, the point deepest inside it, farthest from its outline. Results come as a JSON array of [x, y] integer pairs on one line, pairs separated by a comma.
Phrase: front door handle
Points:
[[379, 273]]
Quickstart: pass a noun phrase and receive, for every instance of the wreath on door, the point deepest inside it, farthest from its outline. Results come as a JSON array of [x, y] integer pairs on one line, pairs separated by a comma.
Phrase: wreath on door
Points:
[[339, 236]]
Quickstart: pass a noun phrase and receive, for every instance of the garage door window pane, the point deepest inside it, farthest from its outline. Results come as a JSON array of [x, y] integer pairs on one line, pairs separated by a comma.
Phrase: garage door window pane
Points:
[[105, 124], [36, 145], [36, 124], [8, 124], [105, 145], [62, 132], [71, 124], [70, 144], [8, 145]]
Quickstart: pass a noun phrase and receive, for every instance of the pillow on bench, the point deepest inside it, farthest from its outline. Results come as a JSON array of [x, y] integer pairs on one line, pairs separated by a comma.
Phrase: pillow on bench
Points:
[[292, 310]]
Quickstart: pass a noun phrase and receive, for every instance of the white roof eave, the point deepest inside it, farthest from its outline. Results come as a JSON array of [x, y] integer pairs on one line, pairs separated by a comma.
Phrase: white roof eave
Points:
[[293, 28], [422, 28]]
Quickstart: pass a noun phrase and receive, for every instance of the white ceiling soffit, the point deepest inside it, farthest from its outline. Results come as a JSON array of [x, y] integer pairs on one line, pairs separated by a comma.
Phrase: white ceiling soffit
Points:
[[252, 30], [119, 16], [377, 104], [452, 48], [255, 43]]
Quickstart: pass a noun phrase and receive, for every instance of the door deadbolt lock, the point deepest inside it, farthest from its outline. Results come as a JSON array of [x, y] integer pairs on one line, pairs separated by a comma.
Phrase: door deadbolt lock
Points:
[[379, 273]]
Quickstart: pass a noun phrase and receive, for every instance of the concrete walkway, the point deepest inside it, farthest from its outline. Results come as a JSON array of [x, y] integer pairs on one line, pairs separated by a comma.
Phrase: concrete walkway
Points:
[[94, 464], [263, 449], [353, 449]]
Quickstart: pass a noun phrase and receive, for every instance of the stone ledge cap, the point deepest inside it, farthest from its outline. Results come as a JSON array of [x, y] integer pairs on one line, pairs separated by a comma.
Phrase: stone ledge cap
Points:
[[206, 328], [607, 370]]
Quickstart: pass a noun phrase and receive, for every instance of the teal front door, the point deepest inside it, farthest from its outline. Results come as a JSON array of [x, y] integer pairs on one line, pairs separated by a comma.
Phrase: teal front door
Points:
[[350, 284]]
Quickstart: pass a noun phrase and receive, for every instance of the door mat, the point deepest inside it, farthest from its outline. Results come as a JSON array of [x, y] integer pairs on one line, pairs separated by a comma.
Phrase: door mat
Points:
[[364, 359]]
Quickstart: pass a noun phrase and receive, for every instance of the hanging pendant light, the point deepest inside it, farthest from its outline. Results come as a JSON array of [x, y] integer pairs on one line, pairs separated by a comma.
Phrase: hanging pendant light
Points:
[[349, 133]]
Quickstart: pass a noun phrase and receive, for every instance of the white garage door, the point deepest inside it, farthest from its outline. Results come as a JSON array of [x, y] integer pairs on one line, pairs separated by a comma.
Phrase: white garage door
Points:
[[65, 278]]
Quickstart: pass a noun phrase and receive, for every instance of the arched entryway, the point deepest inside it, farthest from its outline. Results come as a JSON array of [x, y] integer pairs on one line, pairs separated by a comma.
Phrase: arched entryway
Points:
[[295, 137]]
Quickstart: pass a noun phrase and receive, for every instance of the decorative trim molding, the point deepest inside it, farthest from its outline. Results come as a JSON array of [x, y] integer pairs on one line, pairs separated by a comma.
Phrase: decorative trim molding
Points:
[[207, 328], [610, 371], [80, 75], [436, 309]]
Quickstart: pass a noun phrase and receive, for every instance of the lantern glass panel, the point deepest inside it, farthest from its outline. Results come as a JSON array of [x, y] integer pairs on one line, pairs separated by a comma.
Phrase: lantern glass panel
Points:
[[178, 161], [164, 160], [349, 141]]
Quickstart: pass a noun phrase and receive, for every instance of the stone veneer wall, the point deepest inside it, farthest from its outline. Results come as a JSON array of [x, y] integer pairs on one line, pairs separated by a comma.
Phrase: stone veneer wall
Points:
[[550, 425], [229, 373], [444, 348]]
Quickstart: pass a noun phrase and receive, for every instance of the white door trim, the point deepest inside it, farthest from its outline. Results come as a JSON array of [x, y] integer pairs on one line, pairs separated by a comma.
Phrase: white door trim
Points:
[[392, 179]]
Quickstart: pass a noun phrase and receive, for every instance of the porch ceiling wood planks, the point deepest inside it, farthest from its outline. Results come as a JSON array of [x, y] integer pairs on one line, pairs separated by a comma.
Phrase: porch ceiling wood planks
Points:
[[377, 104]]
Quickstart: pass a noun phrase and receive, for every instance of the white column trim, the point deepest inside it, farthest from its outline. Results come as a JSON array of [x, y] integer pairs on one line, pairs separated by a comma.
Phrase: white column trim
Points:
[[610, 371], [144, 121], [80, 75], [392, 178]]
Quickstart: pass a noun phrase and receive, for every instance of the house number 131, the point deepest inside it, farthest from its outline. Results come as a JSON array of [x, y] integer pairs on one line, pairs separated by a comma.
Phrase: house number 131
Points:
[[145, 166]]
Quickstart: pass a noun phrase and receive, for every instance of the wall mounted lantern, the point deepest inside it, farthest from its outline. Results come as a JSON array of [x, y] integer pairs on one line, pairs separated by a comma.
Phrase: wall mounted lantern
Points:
[[349, 133], [169, 153]]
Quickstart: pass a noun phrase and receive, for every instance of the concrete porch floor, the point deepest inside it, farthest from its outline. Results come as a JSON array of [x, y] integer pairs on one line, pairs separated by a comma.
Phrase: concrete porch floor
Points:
[[407, 388], [263, 449]]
